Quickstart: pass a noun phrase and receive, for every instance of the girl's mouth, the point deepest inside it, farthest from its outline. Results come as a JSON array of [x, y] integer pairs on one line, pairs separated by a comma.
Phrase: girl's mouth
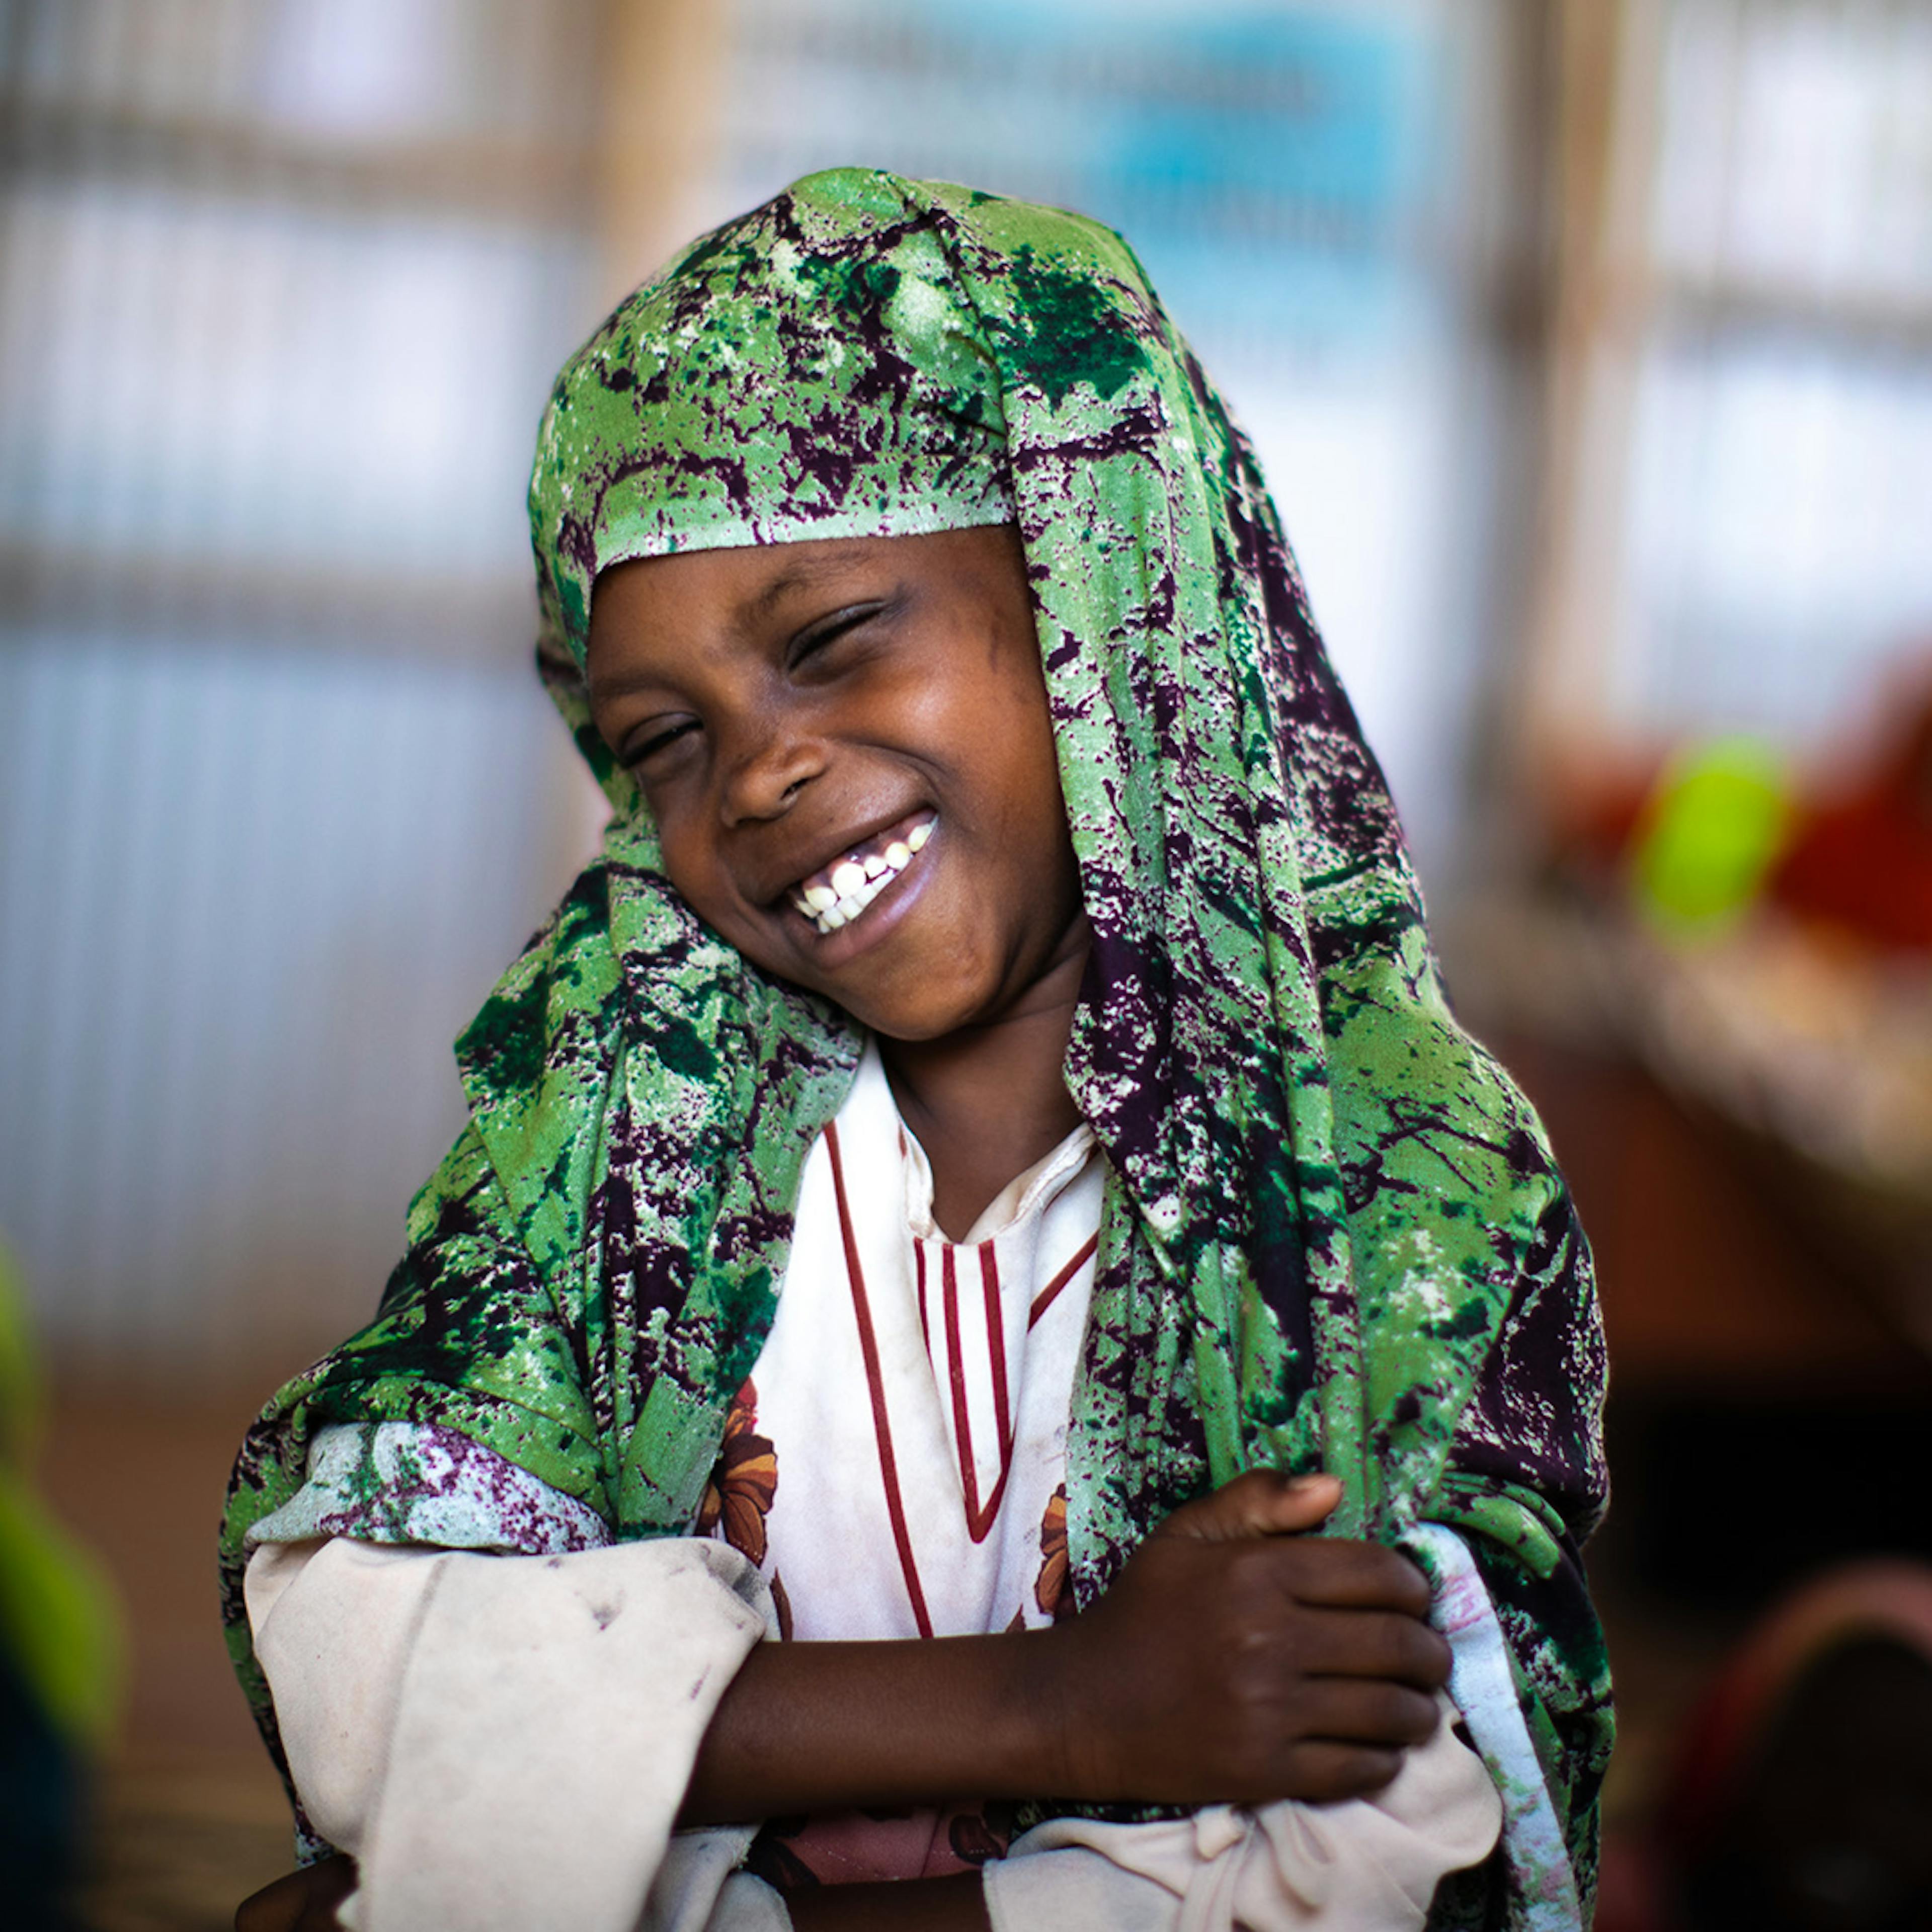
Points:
[[836, 895]]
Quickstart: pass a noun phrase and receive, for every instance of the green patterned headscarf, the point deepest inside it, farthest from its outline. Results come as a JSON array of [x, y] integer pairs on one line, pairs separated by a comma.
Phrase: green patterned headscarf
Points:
[[1333, 1236]]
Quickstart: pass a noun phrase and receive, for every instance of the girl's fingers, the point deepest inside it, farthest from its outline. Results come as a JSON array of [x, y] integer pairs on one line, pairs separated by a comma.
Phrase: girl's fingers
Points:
[[1226, 1648], [304, 1901], [1348, 1576], [1320, 1772], [1376, 1645], [1359, 1711]]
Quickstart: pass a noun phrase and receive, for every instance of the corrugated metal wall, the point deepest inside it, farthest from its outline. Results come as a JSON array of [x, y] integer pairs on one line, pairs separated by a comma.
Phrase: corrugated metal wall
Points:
[[284, 283], [283, 286], [1780, 507], [1742, 459]]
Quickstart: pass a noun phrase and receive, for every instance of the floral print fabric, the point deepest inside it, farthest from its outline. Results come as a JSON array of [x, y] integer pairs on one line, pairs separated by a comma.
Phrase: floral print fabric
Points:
[[1334, 1235]]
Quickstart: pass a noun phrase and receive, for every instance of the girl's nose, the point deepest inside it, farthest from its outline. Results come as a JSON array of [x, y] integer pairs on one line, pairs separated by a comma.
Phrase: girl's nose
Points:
[[764, 780]]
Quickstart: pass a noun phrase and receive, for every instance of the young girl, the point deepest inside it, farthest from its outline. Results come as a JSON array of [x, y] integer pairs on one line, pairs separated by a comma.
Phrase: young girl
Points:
[[982, 1157]]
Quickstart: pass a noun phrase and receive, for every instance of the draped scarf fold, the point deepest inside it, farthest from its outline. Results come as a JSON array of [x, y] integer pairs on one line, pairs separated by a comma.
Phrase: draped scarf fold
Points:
[[1333, 1235]]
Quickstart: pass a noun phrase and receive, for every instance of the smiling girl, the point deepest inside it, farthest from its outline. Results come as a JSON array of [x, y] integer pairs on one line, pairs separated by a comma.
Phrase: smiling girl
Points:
[[835, 739], [982, 1158]]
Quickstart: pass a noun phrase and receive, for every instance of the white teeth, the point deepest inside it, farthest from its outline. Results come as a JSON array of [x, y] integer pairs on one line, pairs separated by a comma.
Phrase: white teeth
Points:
[[856, 882]]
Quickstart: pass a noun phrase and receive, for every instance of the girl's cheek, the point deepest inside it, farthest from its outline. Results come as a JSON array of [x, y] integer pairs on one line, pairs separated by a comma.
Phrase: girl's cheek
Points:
[[672, 847]]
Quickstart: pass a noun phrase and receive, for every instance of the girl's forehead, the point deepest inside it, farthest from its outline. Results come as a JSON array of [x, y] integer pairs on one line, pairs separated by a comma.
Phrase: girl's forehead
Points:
[[742, 588]]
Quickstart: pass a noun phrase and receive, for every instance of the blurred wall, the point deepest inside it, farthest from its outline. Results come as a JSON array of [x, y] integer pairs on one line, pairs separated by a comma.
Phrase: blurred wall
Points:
[[1742, 427], [1586, 344], [284, 284]]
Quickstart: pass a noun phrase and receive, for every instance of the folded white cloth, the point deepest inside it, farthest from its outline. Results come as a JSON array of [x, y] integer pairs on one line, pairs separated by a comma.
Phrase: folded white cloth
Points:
[[491, 1709], [1370, 1865], [699, 1889]]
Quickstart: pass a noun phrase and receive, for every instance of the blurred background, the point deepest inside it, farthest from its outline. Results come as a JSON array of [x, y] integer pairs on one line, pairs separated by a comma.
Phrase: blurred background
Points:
[[1587, 344]]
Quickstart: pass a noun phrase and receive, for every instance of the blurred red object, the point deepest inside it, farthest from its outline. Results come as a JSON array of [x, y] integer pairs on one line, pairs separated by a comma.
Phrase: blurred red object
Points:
[[1803, 1779], [1632, 1895], [1863, 860], [1590, 812]]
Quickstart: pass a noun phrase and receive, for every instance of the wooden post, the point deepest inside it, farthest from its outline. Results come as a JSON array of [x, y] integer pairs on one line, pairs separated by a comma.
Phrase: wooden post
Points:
[[1607, 63], [663, 62]]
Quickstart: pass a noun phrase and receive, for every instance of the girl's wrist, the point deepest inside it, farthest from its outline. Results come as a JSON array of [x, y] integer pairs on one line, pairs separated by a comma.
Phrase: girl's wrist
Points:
[[1009, 1722], [1045, 1704]]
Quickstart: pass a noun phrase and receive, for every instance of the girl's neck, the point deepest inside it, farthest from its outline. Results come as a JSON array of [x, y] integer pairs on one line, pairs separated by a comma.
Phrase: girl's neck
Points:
[[988, 1102]]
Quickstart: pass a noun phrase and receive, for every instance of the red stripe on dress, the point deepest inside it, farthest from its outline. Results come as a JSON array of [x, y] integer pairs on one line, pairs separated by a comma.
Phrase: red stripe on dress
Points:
[[962, 1418], [869, 1347], [925, 1327], [996, 1348], [980, 1518], [1050, 1294]]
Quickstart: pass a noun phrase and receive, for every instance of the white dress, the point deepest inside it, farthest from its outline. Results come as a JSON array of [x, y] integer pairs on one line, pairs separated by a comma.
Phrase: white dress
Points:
[[505, 1740]]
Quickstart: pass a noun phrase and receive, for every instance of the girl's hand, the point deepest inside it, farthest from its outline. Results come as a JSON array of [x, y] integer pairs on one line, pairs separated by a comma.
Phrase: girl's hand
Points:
[[1236, 1660], [304, 1901]]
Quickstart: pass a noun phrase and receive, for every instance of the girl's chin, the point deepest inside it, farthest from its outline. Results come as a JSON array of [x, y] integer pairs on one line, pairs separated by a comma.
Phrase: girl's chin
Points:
[[917, 998], [911, 1019], [953, 981]]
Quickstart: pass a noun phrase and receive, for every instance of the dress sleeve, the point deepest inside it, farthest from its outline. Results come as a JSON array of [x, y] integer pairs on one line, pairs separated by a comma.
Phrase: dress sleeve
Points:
[[471, 1368], [504, 1741]]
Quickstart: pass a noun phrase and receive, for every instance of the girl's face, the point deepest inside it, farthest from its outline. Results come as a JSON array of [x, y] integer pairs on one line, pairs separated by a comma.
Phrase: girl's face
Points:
[[846, 749]]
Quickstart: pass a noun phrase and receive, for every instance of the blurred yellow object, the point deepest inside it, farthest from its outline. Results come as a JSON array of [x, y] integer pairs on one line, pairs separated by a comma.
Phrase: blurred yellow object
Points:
[[1712, 828], [60, 1624]]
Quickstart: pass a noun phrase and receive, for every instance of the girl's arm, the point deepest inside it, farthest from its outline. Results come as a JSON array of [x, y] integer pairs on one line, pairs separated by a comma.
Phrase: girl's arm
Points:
[[1233, 1660], [956, 1904]]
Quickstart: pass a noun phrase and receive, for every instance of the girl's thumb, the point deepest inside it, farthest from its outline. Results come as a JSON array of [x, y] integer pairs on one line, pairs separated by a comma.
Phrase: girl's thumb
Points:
[[1263, 1502]]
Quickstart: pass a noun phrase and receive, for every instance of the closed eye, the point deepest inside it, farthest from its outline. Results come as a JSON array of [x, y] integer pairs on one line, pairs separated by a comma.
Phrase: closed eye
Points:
[[823, 631], [656, 738]]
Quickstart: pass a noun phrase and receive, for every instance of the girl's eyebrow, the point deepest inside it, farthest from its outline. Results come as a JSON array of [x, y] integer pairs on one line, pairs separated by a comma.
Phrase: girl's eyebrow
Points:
[[622, 684], [800, 575]]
